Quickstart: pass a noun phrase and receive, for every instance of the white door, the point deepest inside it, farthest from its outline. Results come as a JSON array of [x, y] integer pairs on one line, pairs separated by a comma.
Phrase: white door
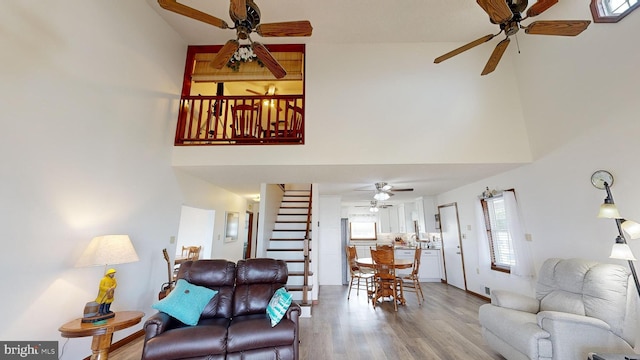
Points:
[[451, 246]]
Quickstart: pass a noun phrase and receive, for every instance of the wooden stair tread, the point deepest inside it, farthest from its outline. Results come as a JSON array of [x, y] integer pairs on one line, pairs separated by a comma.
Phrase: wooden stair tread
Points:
[[291, 230], [285, 249], [285, 239], [299, 273], [298, 287]]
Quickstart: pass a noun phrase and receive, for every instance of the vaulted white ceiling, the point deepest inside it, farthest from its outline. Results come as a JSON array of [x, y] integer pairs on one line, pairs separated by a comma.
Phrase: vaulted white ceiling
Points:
[[362, 22]]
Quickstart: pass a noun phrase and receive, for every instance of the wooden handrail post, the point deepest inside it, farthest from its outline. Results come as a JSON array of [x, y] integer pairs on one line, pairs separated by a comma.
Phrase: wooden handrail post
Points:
[[305, 285]]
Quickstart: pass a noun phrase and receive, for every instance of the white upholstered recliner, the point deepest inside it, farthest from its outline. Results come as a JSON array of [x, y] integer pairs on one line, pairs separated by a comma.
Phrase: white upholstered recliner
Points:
[[580, 307]]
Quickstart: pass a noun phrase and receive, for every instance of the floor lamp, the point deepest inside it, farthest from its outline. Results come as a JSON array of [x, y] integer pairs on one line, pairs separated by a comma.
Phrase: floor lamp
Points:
[[603, 180]]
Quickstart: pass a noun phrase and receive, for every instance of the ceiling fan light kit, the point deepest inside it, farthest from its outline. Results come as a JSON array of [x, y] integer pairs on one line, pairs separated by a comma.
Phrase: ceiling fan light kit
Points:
[[246, 19], [508, 14]]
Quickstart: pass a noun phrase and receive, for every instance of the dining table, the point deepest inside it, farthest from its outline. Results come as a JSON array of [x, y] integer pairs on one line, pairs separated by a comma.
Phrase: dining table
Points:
[[398, 263], [367, 262]]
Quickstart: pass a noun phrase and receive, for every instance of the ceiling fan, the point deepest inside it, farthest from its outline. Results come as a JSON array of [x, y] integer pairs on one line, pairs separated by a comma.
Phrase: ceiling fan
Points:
[[384, 190], [508, 14], [270, 90], [374, 206], [246, 19]]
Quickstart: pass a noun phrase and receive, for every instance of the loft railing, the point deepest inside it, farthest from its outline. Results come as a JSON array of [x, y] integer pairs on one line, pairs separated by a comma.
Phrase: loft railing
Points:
[[216, 120], [307, 260]]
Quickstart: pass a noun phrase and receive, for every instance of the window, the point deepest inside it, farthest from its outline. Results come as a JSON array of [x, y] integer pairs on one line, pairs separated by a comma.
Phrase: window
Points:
[[500, 240], [362, 231], [612, 10]]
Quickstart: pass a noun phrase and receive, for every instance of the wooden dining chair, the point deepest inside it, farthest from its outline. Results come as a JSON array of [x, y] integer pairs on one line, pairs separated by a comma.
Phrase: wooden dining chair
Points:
[[246, 126], [290, 128], [387, 283], [357, 273], [187, 253], [411, 282], [194, 253]]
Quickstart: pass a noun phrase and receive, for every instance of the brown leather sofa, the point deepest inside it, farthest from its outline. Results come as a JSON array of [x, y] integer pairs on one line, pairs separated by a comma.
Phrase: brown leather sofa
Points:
[[234, 324]]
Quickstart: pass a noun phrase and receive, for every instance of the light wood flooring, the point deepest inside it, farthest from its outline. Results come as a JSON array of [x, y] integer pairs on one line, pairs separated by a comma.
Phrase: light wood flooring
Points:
[[444, 327]]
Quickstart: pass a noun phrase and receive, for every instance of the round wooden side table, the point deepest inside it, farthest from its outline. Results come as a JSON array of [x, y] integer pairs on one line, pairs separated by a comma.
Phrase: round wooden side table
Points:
[[102, 333]]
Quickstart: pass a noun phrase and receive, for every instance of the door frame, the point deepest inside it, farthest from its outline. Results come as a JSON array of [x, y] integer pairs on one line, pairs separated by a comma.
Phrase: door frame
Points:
[[444, 261]]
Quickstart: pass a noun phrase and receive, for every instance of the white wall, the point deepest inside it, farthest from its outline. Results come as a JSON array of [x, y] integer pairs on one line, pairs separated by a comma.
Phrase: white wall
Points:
[[370, 98], [85, 146], [271, 197], [580, 108], [329, 241]]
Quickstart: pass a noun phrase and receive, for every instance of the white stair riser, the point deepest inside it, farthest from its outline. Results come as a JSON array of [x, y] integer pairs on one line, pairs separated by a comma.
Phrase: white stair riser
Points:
[[284, 210], [297, 281], [301, 198], [298, 266], [290, 226], [284, 255], [296, 217], [288, 234], [288, 244], [306, 311], [295, 204]]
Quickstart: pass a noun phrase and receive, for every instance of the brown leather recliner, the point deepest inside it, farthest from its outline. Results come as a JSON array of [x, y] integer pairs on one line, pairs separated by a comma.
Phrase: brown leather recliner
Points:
[[234, 324]]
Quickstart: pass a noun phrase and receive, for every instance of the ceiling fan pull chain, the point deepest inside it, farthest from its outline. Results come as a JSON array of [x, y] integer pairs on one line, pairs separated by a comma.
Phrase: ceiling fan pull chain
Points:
[[517, 43]]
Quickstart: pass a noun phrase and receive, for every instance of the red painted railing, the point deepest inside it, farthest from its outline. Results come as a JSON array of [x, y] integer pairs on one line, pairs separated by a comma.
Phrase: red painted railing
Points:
[[240, 120]]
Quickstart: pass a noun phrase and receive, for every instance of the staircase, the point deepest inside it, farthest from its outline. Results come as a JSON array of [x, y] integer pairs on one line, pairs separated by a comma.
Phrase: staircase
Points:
[[291, 242]]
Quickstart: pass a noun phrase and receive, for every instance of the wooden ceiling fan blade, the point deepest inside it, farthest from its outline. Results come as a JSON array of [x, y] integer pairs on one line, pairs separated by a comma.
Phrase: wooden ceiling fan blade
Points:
[[498, 10], [557, 27], [223, 56], [173, 5], [540, 7], [239, 9], [404, 189], [287, 28], [464, 48], [254, 92], [268, 60], [495, 57]]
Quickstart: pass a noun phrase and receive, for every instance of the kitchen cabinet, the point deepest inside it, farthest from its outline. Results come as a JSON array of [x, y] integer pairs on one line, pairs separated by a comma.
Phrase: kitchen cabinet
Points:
[[389, 220], [401, 253], [430, 265]]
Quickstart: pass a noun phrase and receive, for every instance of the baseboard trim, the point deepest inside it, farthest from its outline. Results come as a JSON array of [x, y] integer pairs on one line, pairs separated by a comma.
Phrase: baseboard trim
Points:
[[487, 299], [122, 342]]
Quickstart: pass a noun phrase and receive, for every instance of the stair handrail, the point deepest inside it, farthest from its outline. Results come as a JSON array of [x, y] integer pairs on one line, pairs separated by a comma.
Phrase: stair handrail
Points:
[[305, 284]]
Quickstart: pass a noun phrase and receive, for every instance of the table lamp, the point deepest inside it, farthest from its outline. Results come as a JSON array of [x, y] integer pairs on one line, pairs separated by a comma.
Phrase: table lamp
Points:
[[102, 251]]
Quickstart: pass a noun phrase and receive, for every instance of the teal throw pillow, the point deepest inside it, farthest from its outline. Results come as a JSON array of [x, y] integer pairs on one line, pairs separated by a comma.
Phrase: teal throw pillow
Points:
[[186, 302], [278, 305]]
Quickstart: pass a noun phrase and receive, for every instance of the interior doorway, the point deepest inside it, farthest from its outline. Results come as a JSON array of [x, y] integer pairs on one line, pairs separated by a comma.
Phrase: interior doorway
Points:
[[452, 246], [248, 241], [196, 229]]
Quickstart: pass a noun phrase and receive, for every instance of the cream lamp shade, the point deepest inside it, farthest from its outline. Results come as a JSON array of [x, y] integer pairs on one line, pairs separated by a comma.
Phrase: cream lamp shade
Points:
[[621, 251], [108, 250], [608, 210], [632, 228]]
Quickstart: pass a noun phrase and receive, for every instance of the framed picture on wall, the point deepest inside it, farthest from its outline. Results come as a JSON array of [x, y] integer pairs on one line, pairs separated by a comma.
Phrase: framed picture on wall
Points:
[[231, 225]]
